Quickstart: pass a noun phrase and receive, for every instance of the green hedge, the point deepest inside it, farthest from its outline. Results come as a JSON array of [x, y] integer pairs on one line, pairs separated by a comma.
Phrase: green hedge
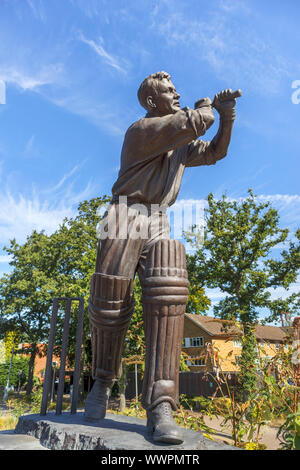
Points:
[[19, 363]]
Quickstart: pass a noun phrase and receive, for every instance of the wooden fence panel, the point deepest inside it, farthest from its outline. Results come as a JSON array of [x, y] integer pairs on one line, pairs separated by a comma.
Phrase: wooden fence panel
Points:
[[190, 384]]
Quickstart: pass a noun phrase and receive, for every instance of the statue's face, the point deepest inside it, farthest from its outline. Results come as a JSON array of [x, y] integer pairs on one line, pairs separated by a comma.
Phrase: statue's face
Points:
[[167, 99]]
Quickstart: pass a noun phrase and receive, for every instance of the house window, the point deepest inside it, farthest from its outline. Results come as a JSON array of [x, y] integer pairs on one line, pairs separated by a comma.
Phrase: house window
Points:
[[195, 342], [196, 361]]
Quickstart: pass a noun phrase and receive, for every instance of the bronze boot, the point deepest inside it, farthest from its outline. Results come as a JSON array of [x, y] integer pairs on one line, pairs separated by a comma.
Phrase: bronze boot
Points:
[[161, 424], [97, 400]]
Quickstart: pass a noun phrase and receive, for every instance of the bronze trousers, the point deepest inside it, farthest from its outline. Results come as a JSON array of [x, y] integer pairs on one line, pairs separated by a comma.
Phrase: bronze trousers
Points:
[[139, 242]]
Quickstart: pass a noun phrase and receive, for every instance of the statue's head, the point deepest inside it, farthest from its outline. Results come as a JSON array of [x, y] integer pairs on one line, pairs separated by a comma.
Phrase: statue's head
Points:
[[158, 95]]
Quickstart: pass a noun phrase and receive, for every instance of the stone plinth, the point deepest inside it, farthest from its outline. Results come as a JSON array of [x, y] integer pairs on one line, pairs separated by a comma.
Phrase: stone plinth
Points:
[[115, 432]]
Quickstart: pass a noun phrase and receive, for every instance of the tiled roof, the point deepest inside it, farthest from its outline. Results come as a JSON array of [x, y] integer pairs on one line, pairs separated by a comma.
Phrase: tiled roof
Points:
[[218, 327]]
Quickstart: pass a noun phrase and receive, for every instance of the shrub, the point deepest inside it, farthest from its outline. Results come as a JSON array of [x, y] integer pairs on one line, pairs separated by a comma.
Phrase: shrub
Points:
[[19, 364], [8, 422]]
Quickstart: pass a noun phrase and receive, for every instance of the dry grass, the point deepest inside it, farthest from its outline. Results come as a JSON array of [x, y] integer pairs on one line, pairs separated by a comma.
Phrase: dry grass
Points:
[[7, 422]]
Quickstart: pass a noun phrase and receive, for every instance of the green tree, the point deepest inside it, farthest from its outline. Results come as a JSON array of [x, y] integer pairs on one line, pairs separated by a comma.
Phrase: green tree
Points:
[[135, 338], [26, 293], [74, 246], [285, 309], [19, 365], [198, 302], [44, 267], [236, 257]]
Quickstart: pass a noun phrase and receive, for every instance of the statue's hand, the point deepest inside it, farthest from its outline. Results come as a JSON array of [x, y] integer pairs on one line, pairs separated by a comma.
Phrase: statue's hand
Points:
[[205, 107], [203, 103], [224, 101]]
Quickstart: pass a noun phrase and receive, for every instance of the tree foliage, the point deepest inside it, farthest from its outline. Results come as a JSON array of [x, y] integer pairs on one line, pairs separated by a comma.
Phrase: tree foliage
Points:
[[26, 293], [237, 257], [198, 302], [74, 246], [59, 265], [19, 369], [44, 267]]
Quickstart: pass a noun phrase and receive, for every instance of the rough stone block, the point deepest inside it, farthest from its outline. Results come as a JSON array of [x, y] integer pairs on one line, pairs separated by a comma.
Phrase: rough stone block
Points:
[[116, 432]]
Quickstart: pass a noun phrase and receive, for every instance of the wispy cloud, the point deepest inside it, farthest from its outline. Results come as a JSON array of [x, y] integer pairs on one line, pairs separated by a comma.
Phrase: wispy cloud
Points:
[[27, 78], [37, 9], [20, 215], [29, 144], [5, 259], [227, 42], [62, 180], [99, 113], [31, 149], [53, 84], [51, 68], [91, 8], [41, 210], [98, 47]]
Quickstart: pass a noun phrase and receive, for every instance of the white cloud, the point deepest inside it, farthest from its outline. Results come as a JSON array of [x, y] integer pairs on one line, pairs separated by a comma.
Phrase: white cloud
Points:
[[111, 60], [37, 9], [50, 68], [227, 42], [99, 113], [29, 144], [31, 149], [90, 8], [281, 293], [42, 210], [5, 258], [63, 180], [52, 83], [288, 207], [20, 215], [215, 295], [233, 5], [30, 79]]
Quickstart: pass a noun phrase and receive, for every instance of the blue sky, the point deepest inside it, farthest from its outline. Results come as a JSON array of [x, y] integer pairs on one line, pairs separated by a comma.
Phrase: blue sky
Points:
[[71, 69]]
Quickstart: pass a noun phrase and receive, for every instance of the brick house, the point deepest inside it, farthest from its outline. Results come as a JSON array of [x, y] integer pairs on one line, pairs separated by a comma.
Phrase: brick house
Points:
[[40, 358], [201, 333], [40, 365]]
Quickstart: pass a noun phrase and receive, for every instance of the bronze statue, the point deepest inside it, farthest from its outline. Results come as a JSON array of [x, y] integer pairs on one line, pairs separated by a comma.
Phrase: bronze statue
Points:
[[135, 238]]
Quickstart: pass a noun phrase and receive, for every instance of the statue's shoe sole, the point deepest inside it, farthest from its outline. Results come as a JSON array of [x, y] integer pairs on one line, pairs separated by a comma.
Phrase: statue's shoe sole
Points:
[[167, 439]]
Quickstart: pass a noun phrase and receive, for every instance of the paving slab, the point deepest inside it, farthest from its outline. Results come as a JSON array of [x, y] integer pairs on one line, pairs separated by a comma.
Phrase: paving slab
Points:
[[116, 432], [9, 440]]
